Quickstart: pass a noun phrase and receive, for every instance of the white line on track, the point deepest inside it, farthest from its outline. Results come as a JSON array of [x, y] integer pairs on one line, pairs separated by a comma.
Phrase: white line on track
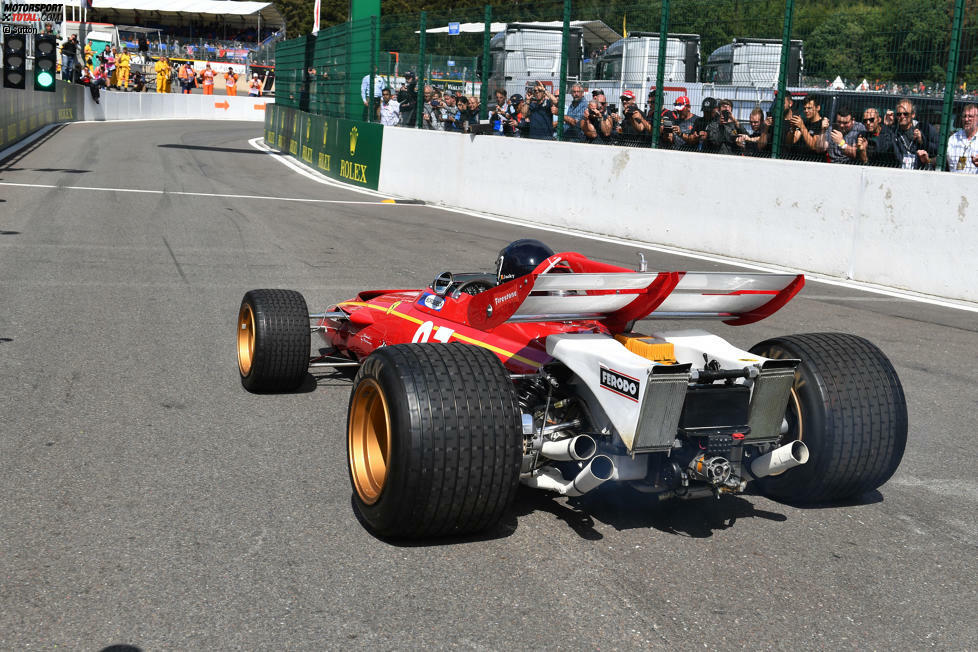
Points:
[[888, 294], [193, 194]]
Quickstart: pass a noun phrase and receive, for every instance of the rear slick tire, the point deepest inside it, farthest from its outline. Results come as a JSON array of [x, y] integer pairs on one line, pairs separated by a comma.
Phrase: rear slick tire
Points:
[[847, 405], [434, 440], [273, 340]]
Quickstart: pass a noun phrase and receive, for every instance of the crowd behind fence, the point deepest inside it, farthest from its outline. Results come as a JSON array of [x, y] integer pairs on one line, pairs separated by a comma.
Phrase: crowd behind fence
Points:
[[891, 85]]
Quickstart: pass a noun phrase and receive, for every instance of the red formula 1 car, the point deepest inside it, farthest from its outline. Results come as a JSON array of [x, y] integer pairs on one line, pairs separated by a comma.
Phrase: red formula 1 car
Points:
[[535, 375]]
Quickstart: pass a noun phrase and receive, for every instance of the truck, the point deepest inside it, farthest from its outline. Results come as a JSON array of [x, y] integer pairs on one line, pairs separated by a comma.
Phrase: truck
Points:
[[524, 53], [632, 63], [753, 62]]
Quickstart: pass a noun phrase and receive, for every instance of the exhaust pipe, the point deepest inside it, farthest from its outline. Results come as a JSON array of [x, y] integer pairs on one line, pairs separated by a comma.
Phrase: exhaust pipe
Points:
[[599, 470], [780, 459], [578, 448]]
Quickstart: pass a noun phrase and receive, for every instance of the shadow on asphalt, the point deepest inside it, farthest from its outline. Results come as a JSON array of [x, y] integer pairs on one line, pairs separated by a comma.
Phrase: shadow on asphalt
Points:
[[229, 150], [625, 509]]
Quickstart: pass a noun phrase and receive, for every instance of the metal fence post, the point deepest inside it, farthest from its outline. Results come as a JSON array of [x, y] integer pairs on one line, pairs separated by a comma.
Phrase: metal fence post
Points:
[[789, 15], [660, 73], [952, 77], [564, 41], [484, 90], [419, 106], [373, 68]]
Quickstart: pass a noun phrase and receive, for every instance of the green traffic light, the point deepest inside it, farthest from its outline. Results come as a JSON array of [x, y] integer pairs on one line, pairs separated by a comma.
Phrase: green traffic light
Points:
[[44, 79]]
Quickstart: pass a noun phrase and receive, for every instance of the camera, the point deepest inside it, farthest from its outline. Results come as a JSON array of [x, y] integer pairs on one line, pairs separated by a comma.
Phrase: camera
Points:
[[435, 104], [726, 114], [630, 110], [667, 123], [612, 108]]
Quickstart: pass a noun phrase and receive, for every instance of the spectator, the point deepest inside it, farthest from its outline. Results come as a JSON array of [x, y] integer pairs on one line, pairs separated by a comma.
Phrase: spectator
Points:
[[962, 146], [667, 124], [702, 123], [813, 131], [752, 141], [207, 77], [69, 50], [541, 125], [634, 130], [521, 116], [89, 54], [725, 135], [108, 59], [574, 114], [231, 82], [138, 82], [844, 146], [468, 112], [914, 143], [379, 85], [684, 135], [500, 122], [188, 78], [407, 98], [255, 86], [94, 85], [123, 62], [390, 110], [790, 134], [450, 113], [874, 145], [431, 111], [596, 125]]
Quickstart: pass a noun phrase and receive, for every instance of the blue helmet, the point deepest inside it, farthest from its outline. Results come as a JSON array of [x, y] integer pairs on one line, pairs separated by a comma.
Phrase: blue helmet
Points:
[[520, 257]]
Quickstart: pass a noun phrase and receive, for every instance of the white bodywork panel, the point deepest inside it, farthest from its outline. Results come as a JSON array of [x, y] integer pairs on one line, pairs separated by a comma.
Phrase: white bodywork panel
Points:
[[591, 355]]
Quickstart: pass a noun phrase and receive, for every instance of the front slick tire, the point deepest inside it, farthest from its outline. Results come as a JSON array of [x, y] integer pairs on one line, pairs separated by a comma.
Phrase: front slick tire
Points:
[[848, 407], [273, 340], [434, 440]]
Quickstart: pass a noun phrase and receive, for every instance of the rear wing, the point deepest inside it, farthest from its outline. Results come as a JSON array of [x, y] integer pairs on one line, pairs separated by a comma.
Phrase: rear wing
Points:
[[568, 287]]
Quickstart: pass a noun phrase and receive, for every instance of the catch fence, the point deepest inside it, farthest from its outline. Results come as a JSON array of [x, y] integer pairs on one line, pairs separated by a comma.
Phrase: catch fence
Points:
[[880, 84]]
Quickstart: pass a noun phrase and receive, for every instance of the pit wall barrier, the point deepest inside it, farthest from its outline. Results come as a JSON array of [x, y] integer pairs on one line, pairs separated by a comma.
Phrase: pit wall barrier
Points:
[[910, 230], [347, 150], [22, 112], [120, 105]]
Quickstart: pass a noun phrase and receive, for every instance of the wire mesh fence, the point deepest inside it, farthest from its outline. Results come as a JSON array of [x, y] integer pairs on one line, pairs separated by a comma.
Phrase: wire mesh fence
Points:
[[877, 84]]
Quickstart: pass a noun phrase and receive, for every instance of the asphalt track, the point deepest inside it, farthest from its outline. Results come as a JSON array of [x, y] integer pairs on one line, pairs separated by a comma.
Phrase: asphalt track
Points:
[[148, 500]]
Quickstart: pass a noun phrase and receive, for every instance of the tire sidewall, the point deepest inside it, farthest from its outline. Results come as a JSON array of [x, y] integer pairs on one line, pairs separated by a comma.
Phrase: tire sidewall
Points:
[[383, 513], [808, 388]]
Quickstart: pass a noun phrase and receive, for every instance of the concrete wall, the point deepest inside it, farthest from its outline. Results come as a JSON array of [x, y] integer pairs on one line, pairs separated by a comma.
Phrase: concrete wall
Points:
[[118, 105], [915, 231]]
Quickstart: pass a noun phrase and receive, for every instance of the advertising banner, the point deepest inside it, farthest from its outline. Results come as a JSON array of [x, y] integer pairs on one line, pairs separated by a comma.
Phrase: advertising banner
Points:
[[347, 150], [22, 112]]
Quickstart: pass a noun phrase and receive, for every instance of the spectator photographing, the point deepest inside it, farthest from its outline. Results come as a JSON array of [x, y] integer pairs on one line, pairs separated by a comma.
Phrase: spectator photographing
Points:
[[69, 51], [684, 133], [634, 129], [725, 135], [874, 145], [812, 129], [596, 125], [701, 124], [407, 98], [755, 141], [231, 82], [541, 105], [844, 138]]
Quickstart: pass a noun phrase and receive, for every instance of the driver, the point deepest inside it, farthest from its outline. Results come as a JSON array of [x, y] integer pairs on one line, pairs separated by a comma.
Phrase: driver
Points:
[[519, 258]]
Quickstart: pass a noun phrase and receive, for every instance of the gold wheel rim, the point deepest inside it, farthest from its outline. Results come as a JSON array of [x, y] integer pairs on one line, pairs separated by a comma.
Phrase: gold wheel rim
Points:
[[246, 339], [369, 440]]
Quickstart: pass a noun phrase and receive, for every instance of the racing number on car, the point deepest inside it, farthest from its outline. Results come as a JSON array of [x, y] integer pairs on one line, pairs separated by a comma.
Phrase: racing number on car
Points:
[[423, 334]]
